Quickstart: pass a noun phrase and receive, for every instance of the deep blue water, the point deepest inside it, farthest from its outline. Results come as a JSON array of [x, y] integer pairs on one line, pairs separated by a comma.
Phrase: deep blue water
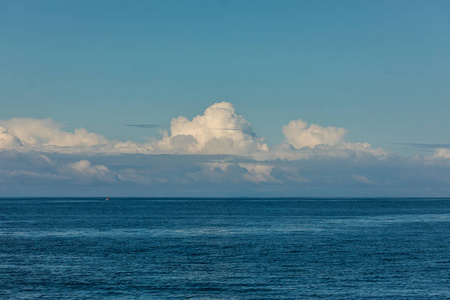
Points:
[[225, 248]]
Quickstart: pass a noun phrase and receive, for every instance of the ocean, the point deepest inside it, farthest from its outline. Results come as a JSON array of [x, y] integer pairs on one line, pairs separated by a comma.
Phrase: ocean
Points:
[[89, 248]]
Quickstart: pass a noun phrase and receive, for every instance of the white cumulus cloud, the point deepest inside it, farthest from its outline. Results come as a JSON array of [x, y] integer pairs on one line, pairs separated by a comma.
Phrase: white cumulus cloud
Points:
[[218, 131], [300, 135]]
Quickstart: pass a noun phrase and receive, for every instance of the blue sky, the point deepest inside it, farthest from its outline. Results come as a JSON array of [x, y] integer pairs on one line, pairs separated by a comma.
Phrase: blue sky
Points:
[[379, 69]]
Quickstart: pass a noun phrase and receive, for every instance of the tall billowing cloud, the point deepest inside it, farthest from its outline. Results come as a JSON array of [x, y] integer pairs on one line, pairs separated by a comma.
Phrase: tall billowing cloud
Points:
[[218, 131], [299, 135]]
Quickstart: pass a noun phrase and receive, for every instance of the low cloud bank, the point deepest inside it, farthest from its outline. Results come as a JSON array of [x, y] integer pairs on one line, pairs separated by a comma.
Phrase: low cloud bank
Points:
[[28, 134], [55, 174], [217, 153]]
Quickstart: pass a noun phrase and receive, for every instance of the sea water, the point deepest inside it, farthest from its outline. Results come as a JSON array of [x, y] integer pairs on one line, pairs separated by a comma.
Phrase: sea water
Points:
[[224, 248]]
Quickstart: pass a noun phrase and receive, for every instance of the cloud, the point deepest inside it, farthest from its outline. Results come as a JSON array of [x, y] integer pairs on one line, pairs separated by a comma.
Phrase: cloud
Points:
[[299, 135], [352, 151], [85, 170], [306, 142], [28, 134], [56, 174], [362, 179], [48, 133], [258, 173], [217, 153], [218, 131], [8, 140], [423, 145], [441, 153]]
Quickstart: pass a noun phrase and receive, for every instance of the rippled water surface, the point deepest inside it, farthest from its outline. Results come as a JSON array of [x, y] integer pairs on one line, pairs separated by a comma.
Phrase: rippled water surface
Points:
[[225, 248]]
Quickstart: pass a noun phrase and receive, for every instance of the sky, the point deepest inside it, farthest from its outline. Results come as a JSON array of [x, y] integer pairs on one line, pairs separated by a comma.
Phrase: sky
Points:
[[224, 98]]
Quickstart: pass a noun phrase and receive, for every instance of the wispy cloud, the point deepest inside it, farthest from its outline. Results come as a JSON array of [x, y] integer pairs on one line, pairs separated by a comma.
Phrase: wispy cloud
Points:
[[423, 145]]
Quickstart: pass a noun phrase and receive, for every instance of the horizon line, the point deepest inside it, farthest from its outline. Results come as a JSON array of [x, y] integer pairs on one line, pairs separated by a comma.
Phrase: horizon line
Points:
[[219, 198]]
